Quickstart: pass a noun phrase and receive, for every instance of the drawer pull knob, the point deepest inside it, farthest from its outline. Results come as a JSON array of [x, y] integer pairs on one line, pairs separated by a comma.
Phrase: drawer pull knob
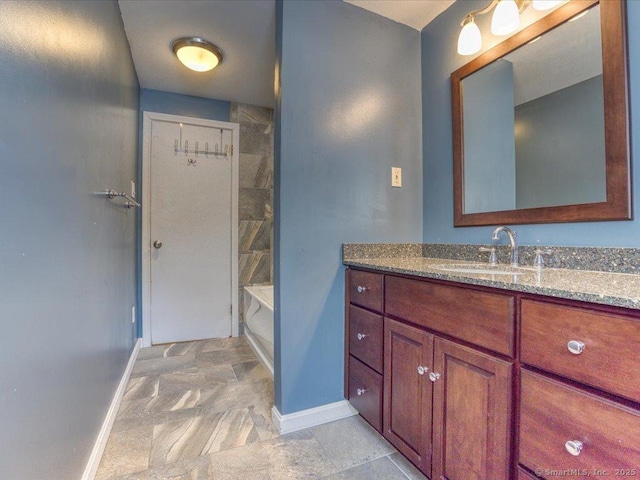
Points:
[[433, 376], [361, 289], [422, 370], [575, 346], [574, 447], [361, 336], [360, 391]]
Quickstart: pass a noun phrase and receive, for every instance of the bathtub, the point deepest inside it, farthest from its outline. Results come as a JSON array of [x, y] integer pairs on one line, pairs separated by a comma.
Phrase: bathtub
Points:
[[258, 322]]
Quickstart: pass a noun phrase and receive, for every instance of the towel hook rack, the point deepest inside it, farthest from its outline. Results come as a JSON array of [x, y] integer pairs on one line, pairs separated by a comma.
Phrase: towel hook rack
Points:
[[111, 194]]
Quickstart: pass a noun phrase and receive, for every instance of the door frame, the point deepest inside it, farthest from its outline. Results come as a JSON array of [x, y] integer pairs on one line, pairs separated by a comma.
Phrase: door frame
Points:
[[145, 240]]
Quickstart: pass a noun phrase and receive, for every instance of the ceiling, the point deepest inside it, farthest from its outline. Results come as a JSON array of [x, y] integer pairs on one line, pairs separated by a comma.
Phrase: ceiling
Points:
[[243, 30], [577, 56], [415, 13]]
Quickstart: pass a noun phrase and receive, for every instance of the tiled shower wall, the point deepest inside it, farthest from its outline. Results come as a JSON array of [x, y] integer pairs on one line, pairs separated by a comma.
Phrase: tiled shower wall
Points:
[[255, 203]]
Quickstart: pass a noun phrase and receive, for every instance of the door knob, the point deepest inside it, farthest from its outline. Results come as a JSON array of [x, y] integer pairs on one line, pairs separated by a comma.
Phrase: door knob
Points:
[[574, 447], [575, 346], [157, 244]]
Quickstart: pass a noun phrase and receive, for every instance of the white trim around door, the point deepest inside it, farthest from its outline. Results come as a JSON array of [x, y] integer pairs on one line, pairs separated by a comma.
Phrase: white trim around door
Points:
[[148, 118]]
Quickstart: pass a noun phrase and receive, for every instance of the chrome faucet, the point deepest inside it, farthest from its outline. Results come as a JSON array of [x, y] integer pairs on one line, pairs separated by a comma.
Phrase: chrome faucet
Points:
[[512, 240]]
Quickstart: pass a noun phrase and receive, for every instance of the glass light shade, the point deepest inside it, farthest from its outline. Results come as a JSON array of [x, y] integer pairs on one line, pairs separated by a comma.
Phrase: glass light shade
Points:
[[197, 58], [470, 40], [545, 4], [197, 54], [506, 18], [580, 15]]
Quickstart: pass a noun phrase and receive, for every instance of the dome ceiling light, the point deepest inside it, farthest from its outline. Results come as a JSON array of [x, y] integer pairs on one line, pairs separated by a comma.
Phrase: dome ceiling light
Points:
[[197, 53]]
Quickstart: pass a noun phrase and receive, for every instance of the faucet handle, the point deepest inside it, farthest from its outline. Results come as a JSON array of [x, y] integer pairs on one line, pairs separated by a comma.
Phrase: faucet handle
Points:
[[538, 261], [493, 258]]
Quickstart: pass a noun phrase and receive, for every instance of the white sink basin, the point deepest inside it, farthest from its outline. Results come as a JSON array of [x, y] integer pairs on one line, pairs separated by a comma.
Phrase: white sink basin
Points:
[[481, 269]]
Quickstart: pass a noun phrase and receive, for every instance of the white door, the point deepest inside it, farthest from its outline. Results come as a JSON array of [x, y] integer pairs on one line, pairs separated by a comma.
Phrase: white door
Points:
[[190, 236]]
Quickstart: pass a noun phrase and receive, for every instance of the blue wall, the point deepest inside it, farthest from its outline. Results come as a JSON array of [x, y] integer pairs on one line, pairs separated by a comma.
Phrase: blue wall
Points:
[[68, 123], [439, 59], [489, 147], [568, 165], [349, 110], [187, 105]]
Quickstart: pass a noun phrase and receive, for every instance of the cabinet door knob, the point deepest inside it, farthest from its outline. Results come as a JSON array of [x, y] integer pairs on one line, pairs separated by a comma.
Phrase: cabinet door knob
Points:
[[361, 336], [574, 447], [422, 370], [361, 289], [157, 244], [575, 346], [433, 376], [360, 391]]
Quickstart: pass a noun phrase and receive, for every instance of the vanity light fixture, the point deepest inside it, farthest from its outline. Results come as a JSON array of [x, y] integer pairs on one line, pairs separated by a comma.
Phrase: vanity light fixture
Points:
[[197, 53], [470, 39], [580, 15], [546, 4], [505, 20]]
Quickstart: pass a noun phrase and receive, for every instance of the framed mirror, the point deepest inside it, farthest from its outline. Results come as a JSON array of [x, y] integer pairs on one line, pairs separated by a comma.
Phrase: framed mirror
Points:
[[541, 124]]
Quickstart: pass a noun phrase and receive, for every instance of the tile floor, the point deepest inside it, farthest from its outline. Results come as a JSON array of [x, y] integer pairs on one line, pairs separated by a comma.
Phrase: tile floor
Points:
[[201, 411]]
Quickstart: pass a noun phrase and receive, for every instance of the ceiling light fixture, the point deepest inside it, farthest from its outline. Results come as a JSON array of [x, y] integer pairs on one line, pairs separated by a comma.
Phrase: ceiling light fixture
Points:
[[505, 20], [197, 53]]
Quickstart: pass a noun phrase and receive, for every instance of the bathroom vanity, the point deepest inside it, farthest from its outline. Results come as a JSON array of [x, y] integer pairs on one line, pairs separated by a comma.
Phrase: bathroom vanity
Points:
[[482, 372], [496, 376]]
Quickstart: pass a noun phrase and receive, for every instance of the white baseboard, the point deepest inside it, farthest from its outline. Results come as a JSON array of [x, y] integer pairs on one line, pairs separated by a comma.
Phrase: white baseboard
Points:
[[293, 422], [101, 442]]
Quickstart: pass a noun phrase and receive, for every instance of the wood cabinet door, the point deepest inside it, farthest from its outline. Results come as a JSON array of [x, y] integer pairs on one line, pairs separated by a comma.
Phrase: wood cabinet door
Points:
[[471, 414], [408, 392]]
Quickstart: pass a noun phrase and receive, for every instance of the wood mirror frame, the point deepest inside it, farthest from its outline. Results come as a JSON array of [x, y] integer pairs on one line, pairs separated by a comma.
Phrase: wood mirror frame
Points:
[[618, 204]]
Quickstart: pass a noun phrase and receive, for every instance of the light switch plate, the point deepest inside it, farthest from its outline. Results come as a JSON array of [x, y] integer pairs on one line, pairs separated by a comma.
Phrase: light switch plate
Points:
[[396, 177]]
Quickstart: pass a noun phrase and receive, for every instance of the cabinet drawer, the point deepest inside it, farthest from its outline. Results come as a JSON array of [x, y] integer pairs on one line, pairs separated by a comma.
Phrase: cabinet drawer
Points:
[[552, 414], [610, 359], [365, 289], [365, 392], [484, 319], [365, 337]]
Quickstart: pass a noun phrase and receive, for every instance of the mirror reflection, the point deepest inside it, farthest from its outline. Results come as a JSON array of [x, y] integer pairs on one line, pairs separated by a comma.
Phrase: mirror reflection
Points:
[[533, 123]]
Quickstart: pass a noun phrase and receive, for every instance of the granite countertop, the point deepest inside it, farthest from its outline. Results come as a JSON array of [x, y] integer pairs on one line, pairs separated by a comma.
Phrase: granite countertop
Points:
[[607, 288]]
